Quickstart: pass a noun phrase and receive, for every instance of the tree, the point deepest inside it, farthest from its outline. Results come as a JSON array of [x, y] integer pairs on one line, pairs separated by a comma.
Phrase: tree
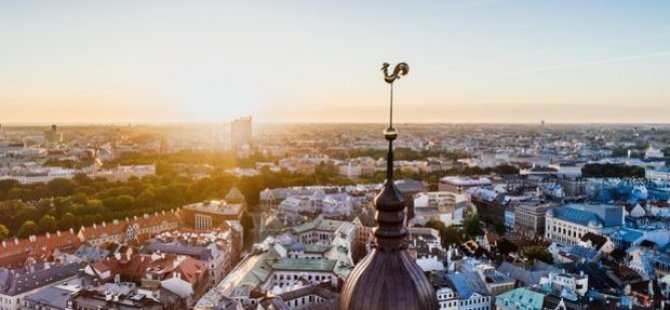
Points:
[[68, 221], [498, 228], [45, 206], [451, 235], [506, 169], [62, 187], [505, 247], [48, 223], [538, 252], [4, 232], [472, 227], [612, 171], [28, 228]]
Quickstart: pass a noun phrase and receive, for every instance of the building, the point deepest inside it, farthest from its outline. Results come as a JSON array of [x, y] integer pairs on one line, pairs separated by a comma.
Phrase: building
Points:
[[128, 230], [94, 300], [660, 174], [567, 224], [53, 136], [318, 231], [15, 252], [15, 284], [48, 298], [490, 205], [123, 173], [458, 185], [217, 248], [409, 188], [182, 280], [208, 215], [241, 132], [447, 207], [471, 293], [560, 281], [268, 270], [520, 298], [529, 219]]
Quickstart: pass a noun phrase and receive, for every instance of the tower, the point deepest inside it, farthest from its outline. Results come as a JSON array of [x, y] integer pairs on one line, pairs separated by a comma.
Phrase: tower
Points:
[[240, 132], [388, 277]]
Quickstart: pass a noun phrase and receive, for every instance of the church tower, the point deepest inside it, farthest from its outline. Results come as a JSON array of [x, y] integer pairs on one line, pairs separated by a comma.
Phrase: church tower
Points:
[[388, 278]]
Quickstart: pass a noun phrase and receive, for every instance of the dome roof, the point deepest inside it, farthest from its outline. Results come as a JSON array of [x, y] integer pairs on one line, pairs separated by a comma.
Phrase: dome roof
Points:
[[388, 279]]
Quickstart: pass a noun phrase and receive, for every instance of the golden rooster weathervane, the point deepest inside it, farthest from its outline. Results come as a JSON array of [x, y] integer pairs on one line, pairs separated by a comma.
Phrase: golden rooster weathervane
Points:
[[400, 69]]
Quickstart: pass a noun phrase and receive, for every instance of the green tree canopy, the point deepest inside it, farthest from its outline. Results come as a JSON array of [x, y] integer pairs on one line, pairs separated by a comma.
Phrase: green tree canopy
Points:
[[538, 252], [4, 232], [472, 226], [48, 224], [505, 247], [67, 221], [28, 228]]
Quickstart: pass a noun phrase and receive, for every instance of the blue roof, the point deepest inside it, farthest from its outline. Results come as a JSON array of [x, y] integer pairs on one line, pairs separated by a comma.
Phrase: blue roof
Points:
[[606, 215], [50, 297], [520, 298], [589, 254], [467, 283], [528, 277], [629, 235]]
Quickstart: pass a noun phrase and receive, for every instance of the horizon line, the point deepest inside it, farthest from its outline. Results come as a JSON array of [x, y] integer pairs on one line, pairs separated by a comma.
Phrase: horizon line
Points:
[[209, 123]]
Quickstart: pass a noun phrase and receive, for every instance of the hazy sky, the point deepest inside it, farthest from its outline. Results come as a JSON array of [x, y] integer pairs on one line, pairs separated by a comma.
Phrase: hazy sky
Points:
[[210, 61]]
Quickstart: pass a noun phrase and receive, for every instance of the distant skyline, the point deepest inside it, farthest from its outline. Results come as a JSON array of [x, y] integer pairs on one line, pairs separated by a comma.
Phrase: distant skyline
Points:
[[471, 61]]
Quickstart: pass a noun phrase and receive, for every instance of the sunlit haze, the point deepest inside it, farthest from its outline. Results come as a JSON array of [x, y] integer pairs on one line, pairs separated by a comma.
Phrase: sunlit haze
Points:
[[318, 61]]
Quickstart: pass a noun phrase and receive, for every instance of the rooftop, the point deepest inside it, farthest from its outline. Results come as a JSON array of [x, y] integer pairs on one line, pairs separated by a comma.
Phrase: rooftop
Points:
[[584, 214], [216, 206], [18, 281], [520, 298], [466, 181], [304, 264]]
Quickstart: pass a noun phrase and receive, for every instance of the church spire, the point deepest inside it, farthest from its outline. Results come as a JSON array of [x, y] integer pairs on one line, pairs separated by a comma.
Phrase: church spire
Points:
[[390, 203], [388, 277]]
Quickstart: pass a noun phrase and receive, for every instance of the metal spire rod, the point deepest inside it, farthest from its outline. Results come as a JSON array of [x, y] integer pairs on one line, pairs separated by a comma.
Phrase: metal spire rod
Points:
[[390, 133], [391, 108]]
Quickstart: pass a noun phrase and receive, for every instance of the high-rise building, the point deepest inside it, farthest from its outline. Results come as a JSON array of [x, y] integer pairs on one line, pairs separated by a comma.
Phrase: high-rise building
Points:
[[53, 136], [240, 132]]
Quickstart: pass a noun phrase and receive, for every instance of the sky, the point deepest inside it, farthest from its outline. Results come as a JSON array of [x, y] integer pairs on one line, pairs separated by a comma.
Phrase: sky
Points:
[[471, 61]]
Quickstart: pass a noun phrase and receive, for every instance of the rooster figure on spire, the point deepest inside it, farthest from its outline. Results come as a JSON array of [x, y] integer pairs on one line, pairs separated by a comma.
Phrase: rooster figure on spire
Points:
[[399, 70]]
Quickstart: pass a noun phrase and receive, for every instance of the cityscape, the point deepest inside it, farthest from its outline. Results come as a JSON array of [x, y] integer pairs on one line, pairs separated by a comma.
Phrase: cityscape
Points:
[[540, 187]]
